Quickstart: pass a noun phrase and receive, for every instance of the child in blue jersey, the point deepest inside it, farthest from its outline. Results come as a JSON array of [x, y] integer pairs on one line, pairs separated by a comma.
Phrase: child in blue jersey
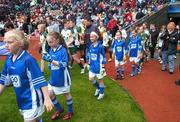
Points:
[[97, 60], [24, 73], [60, 80], [134, 52], [119, 51]]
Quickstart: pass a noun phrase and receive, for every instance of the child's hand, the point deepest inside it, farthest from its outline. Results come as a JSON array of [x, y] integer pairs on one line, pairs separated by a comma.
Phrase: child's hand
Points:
[[47, 57], [103, 71], [124, 58], [140, 55], [113, 55], [48, 104]]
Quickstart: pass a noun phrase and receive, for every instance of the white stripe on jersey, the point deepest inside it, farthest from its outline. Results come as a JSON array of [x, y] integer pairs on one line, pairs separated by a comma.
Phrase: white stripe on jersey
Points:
[[101, 60], [38, 82], [33, 92], [3, 77], [66, 77], [40, 97], [20, 55], [38, 79]]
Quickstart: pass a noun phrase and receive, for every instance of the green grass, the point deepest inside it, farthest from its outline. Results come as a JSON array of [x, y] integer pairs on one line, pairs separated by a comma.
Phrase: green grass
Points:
[[117, 105]]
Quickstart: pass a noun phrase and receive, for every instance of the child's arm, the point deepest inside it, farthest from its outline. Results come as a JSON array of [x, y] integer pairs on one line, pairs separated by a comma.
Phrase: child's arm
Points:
[[2, 87], [104, 55], [3, 78], [47, 101], [39, 82]]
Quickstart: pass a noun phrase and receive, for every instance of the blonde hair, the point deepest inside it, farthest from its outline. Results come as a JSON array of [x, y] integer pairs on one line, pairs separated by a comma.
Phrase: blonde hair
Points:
[[18, 36]]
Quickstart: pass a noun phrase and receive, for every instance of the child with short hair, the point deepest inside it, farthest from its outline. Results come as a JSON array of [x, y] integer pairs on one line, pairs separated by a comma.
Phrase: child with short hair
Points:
[[24, 73], [119, 52], [97, 60], [134, 52], [60, 80]]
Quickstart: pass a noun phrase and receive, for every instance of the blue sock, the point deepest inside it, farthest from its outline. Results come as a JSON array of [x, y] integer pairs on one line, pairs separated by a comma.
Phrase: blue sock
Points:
[[133, 69], [101, 88], [70, 105], [122, 70], [39, 119], [96, 84], [138, 67], [56, 104], [118, 71]]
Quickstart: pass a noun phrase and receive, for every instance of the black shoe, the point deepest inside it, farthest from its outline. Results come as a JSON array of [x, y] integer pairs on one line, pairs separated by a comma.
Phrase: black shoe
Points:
[[117, 77], [122, 77], [177, 82], [163, 69], [171, 73]]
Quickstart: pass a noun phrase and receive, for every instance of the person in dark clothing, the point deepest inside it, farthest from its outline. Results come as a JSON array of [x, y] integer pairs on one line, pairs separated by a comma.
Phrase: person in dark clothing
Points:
[[89, 27], [172, 45], [140, 14], [164, 48], [153, 40]]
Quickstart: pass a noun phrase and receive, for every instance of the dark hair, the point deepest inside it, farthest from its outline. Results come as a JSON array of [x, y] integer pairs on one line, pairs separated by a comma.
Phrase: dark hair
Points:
[[119, 32], [50, 17], [9, 25], [87, 17]]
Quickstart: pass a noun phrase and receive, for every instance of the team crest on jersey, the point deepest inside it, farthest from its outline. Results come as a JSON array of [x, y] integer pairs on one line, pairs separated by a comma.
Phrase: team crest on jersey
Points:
[[94, 57], [133, 46], [15, 79], [119, 49]]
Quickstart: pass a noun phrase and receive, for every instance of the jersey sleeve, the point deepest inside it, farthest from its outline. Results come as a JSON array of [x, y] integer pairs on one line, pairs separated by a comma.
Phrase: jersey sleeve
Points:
[[64, 61], [3, 74], [35, 74], [103, 54]]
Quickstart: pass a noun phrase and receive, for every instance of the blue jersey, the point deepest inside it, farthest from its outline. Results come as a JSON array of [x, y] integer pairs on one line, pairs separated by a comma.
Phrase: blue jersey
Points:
[[60, 76], [134, 46], [96, 57], [119, 49], [27, 80]]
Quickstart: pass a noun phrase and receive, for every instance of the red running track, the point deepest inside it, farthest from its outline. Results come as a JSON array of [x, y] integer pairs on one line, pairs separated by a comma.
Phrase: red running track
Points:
[[154, 90]]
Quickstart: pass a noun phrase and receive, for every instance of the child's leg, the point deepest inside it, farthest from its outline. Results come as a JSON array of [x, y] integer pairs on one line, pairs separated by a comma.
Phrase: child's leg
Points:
[[56, 105], [101, 89], [76, 58], [69, 102], [133, 69], [39, 119], [72, 61], [138, 67], [117, 69], [122, 71], [94, 82], [117, 72], [101, 86]]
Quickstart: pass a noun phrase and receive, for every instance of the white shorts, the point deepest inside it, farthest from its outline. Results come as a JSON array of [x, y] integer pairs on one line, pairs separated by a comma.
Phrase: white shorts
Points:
[[59, 90], [92, 75], [32, 114], [117, 63], [134, 59]]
